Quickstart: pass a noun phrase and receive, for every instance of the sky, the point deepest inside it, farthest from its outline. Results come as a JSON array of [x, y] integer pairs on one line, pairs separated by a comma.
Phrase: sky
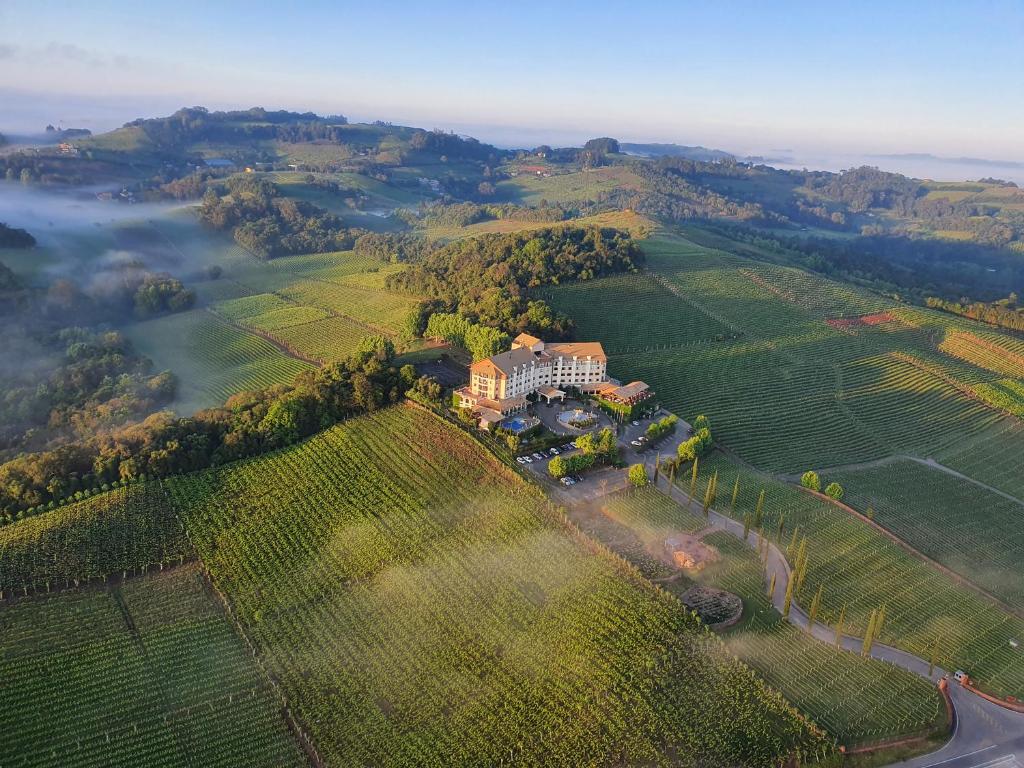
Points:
[[762, 77]]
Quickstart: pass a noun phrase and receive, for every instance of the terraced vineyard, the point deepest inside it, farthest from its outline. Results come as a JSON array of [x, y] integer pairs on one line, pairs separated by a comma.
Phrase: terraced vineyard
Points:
[[855, 699], [420, 604], [862, 569], [327, 340], [150, 673], [127, 529], [212, 359], [962, 525]]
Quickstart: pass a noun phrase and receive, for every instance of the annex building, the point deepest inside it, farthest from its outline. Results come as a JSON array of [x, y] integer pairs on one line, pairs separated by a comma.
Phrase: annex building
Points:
[[499, 385]]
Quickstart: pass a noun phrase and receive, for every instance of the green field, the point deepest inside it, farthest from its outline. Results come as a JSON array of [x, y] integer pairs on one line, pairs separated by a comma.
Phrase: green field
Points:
[[814, 373], [211, 358], [149, 673], [854, 698], [567, 188], [862, 569], [123, 531], [965, 527], [420, 604]]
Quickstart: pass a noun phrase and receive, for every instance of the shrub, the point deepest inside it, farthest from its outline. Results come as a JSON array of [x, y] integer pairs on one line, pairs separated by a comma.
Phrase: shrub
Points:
[[834, 491], [811, 480], [638, 475]]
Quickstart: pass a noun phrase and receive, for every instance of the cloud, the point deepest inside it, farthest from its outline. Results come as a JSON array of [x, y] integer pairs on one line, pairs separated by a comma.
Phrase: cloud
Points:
[[74, 53], [8, 51]]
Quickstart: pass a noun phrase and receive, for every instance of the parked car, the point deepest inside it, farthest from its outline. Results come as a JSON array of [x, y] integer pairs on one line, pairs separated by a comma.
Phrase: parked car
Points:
[[521, 459], [642, 439], [637, 443], [538, 456], [636, 423], [553, 451], [528, 459], [567, 481], [568, 447]]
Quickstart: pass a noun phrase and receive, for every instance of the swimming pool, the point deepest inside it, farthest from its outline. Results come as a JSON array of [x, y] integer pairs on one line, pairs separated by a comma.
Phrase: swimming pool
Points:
[[519, 424]]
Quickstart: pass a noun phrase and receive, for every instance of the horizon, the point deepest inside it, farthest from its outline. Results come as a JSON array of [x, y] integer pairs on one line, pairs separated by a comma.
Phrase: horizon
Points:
[[749, 82]]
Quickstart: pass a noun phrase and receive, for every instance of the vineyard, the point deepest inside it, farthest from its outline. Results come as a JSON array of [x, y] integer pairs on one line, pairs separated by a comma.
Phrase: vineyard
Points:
[[149, 673], [855, 699], [995, 457], [860, 568], [211, 358], [420, 604], [962, 525], [376, 309], [112, 534], [663, 319]]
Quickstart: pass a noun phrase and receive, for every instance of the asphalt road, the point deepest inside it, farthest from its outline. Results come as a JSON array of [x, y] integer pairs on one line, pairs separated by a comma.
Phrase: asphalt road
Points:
[[985, 735]]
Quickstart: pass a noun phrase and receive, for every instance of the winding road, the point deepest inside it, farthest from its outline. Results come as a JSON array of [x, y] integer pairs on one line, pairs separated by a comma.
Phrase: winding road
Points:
[[985, 735]]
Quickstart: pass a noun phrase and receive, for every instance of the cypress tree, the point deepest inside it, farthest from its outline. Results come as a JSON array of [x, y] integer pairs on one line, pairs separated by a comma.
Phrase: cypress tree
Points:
[[839, 626], [771, 588], [693, 476], [759, 510], [788, 602], [714, 488], [735, 493], [792, 543], [871, 512], [869, 636], [707, 496], [657, 466], [746, 526], [781, 528], [879, 621], [812, 615]]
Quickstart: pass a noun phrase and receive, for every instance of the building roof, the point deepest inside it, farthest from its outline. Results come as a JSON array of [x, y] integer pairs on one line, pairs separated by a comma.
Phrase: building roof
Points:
[[632, 389], [549, 391], [505, 361], [591, 349], [489, 416], [526, 340]]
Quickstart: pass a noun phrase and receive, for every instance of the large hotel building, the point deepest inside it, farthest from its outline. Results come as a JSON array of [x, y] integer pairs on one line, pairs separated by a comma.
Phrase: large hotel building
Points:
[[499, 385]]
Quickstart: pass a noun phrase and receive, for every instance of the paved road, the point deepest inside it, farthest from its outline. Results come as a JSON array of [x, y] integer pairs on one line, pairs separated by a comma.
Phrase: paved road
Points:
[[985, 735]]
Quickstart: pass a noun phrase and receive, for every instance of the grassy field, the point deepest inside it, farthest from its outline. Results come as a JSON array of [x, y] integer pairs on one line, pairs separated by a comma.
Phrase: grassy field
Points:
[[964, 526], [637, 225], [147, 673], [211, 358], [420, 604], [855, 699], [567, 188], [860, 568]]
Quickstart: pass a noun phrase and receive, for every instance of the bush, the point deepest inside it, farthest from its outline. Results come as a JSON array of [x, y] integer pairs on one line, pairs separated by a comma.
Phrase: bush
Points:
[[834, 491], [638, 475], [811, 480]]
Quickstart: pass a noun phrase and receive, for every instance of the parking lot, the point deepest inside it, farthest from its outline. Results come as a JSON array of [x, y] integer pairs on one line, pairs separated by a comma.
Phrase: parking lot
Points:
[[603, 480]]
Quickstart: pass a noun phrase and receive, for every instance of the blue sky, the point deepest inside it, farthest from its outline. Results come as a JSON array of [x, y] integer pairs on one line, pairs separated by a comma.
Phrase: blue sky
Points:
[[942, 77]]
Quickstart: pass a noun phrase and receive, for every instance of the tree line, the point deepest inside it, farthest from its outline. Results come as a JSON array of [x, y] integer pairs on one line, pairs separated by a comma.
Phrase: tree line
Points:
[[249, 423]]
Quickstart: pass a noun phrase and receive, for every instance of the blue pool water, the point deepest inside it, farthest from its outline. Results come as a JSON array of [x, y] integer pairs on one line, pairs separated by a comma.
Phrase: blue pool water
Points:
[[518, 424]]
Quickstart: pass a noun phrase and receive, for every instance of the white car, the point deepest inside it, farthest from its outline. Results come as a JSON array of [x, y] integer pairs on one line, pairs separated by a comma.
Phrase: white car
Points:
[[528, 459], [521, 459], [568, 481], [636, 423], [642, 439], [538, 456], [637, 443], [554, 451]]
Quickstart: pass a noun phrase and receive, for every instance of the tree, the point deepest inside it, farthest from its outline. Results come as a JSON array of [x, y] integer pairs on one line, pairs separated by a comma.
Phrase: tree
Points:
[[788, 601], [735, 493], [657, 466], [781, 528], [558, 467], [834, 491], [771, 587], [693, 477], [759, 511], [869, 636], [637, 475], [870, 513], [839, 626], [810, 480], [812, 614]]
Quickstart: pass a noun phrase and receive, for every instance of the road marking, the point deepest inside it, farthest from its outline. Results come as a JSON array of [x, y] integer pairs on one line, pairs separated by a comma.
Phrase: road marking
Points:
[[960, 757], [1006, 761]]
